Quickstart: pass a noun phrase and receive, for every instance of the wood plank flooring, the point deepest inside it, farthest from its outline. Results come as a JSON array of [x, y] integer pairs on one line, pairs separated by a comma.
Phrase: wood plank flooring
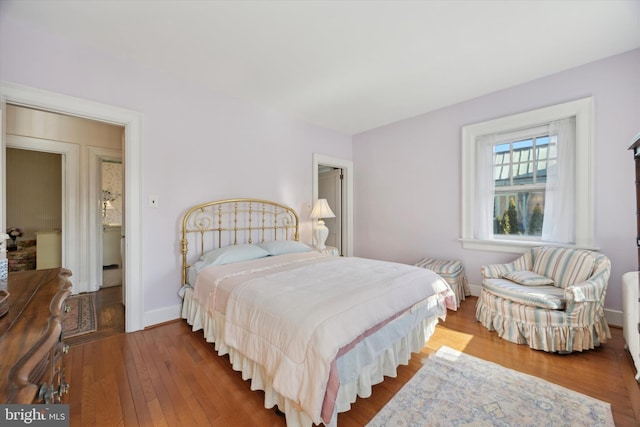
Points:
[[110, 316], [168, 376]]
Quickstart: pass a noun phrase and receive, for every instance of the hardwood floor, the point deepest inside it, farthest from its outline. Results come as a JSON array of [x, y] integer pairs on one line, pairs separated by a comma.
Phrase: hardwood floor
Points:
[[168, 376], [110, 316]]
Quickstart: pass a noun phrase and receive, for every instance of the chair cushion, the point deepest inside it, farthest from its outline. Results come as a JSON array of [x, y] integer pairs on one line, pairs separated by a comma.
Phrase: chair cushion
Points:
[[545, 296], [527, 278], [440, 266], [565, 266]]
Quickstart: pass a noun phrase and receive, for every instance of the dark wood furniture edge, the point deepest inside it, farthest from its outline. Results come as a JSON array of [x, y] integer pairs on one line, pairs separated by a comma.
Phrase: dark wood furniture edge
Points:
[[24, 377]]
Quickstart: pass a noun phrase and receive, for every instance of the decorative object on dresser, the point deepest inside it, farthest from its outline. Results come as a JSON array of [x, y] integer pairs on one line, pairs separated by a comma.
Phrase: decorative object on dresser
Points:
[[630, 282], [31, 343], [321, 210]]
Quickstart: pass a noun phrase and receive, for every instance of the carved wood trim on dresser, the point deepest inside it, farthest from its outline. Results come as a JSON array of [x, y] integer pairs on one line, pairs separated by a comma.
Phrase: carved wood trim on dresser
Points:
[[31, 346]]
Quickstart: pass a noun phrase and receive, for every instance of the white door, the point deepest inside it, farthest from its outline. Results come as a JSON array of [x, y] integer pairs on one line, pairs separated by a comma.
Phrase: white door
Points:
[[330, 188]]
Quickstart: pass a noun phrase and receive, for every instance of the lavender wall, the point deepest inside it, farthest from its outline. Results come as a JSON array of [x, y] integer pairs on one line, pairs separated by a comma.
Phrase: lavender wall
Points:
[[408, 174], [197, 145]]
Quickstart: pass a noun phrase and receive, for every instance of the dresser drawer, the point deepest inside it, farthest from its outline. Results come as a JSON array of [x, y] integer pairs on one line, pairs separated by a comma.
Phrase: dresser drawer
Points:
[[31, 337]]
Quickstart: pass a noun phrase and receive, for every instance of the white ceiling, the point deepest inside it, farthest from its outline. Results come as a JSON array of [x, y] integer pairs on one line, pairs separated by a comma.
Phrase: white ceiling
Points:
[[348, 65]]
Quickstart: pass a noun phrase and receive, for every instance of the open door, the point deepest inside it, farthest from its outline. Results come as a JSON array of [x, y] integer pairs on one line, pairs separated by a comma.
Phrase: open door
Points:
[[330, 188], [321, 161]]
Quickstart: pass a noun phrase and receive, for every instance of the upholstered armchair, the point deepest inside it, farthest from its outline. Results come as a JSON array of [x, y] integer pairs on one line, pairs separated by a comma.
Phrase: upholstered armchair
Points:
[[550, 298]]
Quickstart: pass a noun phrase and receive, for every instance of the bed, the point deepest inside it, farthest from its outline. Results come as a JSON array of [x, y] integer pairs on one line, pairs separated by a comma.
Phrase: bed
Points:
[[312, 330]]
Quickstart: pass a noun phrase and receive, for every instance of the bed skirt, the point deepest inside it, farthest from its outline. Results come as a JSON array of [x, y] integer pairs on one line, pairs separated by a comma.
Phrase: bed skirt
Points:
[[385, 364]]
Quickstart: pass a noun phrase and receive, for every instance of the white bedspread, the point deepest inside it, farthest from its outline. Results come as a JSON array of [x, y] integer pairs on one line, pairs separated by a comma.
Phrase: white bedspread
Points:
[[294, 317]]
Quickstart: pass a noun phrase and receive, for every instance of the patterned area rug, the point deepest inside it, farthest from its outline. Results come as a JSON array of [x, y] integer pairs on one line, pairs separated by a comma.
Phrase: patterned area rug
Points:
[[455, 389], [81, 318]]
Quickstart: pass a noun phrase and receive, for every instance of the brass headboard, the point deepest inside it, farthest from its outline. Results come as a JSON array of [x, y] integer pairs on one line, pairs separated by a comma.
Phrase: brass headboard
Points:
[[234, 221]]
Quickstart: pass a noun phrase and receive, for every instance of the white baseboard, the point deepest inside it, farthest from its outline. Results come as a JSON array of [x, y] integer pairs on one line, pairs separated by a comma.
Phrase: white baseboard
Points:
[[162, 315], [475, 289], [614, 317]]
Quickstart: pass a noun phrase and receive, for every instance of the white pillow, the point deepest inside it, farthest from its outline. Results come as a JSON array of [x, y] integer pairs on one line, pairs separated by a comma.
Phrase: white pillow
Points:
[[279, 247], [235, 253], [527, 278]]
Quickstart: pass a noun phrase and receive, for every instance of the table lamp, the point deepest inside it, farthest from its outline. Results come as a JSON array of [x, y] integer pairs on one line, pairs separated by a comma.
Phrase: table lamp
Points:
[[321, 210]]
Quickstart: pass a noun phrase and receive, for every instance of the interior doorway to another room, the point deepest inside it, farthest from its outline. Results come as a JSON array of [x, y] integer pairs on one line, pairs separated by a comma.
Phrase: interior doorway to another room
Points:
[[111, 217], [34, 208], [77, 222], [330, 181], [67, 229], [333, 180]]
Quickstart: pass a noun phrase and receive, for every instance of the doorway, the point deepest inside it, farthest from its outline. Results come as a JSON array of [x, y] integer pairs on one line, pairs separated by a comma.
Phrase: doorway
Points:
[[34, 208], [45, 137], [338, 177], [330, 181], [111, 214], [132, 151]]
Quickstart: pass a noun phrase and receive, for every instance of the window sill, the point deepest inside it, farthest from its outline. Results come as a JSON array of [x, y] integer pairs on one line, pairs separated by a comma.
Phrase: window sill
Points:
[[513, 246]]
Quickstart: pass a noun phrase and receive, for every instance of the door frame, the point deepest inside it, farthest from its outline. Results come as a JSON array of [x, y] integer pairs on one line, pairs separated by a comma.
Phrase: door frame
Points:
[[347, 207], [96, 156], [70, 190], [132, 122]]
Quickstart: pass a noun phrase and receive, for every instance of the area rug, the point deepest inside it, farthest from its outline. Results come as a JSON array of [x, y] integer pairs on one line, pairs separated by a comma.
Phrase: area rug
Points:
[[81, 317], [455, 389]]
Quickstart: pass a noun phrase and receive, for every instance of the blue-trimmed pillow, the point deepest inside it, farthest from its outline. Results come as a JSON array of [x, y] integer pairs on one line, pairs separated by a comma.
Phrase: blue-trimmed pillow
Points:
[[230, 254], [279, 247], [527, 278]]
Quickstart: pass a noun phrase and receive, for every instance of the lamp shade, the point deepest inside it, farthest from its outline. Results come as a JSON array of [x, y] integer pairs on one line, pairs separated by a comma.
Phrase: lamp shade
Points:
[[321, 209]]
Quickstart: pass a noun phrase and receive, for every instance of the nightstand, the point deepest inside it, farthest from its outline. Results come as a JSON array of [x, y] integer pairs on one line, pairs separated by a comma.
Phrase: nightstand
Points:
[[329, 250]]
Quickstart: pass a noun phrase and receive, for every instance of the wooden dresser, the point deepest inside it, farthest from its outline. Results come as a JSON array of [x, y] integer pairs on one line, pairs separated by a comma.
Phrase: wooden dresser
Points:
[[31, 346]]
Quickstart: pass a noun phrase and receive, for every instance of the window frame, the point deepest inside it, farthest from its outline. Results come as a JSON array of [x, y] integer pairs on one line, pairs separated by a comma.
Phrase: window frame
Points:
[[582, 110]]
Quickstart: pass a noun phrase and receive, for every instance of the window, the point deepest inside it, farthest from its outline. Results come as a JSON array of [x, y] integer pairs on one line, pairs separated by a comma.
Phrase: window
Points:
[[520, 176], [526, 177]]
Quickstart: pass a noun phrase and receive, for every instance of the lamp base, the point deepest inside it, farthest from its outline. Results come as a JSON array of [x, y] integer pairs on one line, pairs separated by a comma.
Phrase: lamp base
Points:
[[320, 233]]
